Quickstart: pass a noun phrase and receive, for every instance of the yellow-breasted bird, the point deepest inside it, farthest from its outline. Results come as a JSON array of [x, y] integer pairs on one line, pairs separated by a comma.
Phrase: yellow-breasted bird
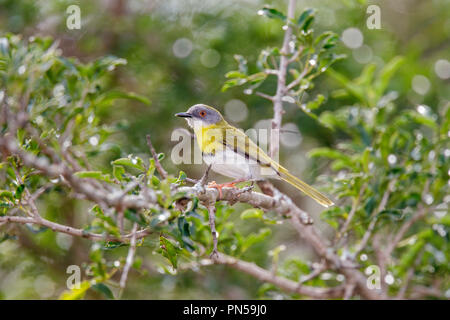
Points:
[[232, 153]]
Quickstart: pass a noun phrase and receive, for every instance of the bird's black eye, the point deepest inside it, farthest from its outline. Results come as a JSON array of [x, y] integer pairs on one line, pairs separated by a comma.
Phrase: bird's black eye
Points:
[[202, 113]]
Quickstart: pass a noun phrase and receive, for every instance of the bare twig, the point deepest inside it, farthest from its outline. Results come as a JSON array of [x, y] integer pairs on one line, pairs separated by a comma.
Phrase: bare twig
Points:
[[283, 283], [263, 95], [349, 288], [355, 205], [281, 83], [161, 171], [212, 224], [316, 272], [71, 230], [129, 260], [299, 79]]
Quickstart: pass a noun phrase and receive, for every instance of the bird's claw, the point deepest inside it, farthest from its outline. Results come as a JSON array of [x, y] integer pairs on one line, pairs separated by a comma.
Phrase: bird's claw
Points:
[[219, 187], [214, 254]]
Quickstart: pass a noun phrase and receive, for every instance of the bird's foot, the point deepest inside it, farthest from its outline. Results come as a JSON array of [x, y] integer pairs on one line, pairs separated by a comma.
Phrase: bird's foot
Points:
[[219, 187], [214, 254]]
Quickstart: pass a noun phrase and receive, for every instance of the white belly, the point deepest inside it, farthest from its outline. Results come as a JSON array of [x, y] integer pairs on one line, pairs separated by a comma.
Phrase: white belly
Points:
[[234, 165]]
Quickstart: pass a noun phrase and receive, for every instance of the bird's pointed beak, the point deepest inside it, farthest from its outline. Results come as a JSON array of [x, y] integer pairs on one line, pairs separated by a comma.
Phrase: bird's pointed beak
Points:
[[183, 115]]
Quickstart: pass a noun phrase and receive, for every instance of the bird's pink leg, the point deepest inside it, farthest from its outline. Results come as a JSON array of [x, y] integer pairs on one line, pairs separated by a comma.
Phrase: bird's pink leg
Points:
[[219, 187]]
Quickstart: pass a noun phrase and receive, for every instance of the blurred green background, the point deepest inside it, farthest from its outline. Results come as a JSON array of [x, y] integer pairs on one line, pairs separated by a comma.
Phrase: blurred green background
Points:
[[177, 54]]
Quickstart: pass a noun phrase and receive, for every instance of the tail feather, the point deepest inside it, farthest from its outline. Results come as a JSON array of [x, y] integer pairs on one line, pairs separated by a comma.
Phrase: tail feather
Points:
[[305, 188]]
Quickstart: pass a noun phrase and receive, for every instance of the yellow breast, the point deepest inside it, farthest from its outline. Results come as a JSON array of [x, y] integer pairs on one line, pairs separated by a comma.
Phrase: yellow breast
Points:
[[209, 138]]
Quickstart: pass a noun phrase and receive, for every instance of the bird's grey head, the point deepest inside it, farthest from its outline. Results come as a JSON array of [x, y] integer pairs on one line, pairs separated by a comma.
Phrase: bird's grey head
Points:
[[201, 114]]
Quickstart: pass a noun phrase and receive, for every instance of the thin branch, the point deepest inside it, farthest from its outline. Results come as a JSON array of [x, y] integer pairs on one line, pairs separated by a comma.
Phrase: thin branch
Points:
[[407, 225], [349, 288], [421, 292], [161, 171], [297, 81], [409, 276], [271, 71], [404, 228], [212, 224], [283, 283], [374, 218], [315, 273], [263, 95], [71, 230], [129, 260], [355, 205], [295, 55], [281, 83]]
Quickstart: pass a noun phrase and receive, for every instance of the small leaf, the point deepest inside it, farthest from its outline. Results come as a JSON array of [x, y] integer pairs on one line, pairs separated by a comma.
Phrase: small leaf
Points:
[[6, 194], [135, 162], [306, 19], [118, 172], [316, 103], [103, 289], [370, 205], [93, 175], [252, 213], [19, 191], [169, 251], [272, 13], [135, 217], [235, 74]]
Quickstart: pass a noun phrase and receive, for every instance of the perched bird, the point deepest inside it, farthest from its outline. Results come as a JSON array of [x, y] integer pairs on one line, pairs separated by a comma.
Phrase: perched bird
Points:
[[232, 153]]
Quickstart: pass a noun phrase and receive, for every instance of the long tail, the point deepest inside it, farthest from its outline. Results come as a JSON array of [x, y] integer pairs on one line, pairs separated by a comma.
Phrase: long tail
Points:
[[307, 189]]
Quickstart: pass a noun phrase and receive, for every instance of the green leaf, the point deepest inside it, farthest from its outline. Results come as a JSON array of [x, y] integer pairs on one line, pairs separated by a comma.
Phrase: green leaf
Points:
[[351, 88], [135, 217], [252, 213], [386, 74], [328, 39], [134, 162], [231, 83], [118, 172], [181, 176], [332, 154], [255, 238], [316, 103], [365, 158], [103, 289], [19, 191], [6, 194], [272, 13], [370, 205], [94, 175], [422, 119], [235, 74], [306, 19], [169, 250]]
